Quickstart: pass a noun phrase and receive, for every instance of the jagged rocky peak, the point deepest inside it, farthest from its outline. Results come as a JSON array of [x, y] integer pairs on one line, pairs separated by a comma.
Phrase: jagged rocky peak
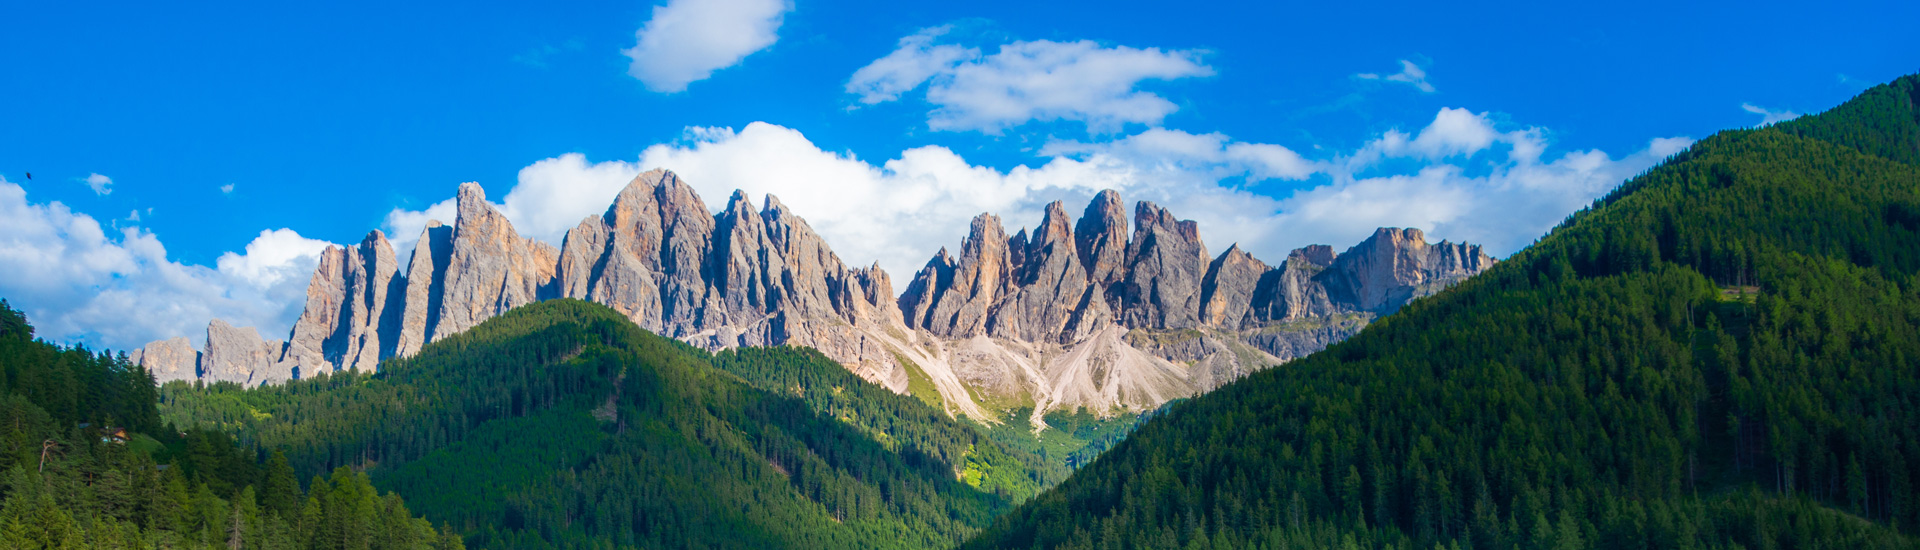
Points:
[[1166, 263], [1313, 254], [1226, 295], [421, 293], [238, 355], [354, 294], [492, 268], [978, 279], [1049, 287], [1101, 237], [1396, 265], [169, 360], [926, 289]]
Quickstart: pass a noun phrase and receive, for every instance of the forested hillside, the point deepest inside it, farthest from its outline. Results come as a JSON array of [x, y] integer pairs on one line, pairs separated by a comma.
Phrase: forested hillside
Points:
[[87, 464], [561, 424], [1724, 353]]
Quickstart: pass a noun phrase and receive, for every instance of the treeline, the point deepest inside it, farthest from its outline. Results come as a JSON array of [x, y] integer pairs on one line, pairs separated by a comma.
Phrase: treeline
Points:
[[1725, 353], [563, 425], [85, 463]]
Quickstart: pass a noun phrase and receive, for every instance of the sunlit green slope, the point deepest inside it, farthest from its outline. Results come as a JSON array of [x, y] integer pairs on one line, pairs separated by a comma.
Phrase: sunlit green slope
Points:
[[561, 424]]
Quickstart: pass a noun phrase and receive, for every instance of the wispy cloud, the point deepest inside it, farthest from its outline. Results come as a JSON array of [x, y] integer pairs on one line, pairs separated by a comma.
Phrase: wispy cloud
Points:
[[687, 40], [538, 55], [1027, 81], [101, 184], [227, 189], [1409, 74], [1769, 116]]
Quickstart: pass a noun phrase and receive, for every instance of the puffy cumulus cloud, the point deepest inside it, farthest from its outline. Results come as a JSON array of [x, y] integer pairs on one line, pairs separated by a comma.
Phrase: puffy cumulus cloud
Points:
[[79, 283], [100, 184], [274, 257], [1453, 132], [897, 212], [1409, 74], [1025, 81], [549, 197], [687, 40], [1769, 116], [1463, 179], [1503, 209]]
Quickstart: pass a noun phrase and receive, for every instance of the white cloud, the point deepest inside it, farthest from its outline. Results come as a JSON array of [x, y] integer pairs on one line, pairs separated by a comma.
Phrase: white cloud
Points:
[[912, 64], [78, 283], [1214, 155], [1453, 132], [687, 40], [1409, 74], [403, 226], [1768, 116], [1467, 181], [1027, 81], [550, 197], [101, 184], [228, 188]]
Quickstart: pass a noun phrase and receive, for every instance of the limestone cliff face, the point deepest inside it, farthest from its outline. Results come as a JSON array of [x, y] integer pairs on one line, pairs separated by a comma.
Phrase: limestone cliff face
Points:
[[1104, 320], [1165, 264], [353, 307], [238, 355], [168, 360], [1397, 265], [1092, 312], [492, 268], [420, 295]]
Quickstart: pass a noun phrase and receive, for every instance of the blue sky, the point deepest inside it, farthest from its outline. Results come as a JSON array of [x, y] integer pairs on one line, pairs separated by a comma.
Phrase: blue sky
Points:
[[182, 133]]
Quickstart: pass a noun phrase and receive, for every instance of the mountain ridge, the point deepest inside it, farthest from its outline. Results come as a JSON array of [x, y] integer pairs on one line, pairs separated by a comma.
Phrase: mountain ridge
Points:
[[1079, 313]]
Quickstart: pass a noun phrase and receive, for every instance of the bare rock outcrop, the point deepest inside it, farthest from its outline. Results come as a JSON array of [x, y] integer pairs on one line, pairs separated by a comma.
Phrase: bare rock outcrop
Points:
[[168, 360], [1101, 238], [1396, 265], [426, 277], [351, 300], [238, 355], [1226, 295], [1049, 285], [492, 269], [1165, 265]]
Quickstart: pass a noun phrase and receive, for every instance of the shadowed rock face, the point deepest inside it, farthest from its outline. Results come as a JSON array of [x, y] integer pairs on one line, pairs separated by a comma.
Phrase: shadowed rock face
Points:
[[1066, 314]]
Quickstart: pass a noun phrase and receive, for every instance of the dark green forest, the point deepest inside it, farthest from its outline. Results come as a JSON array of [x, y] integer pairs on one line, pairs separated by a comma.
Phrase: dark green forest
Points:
[[86, 463], [1722, 353], [563, 425]]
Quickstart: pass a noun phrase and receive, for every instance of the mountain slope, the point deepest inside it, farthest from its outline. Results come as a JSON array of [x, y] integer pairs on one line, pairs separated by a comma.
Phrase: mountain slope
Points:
[[562, 423], [1721, 353]]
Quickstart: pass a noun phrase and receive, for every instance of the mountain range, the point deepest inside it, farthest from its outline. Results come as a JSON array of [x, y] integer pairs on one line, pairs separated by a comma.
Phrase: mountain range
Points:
[[1076, 314]]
